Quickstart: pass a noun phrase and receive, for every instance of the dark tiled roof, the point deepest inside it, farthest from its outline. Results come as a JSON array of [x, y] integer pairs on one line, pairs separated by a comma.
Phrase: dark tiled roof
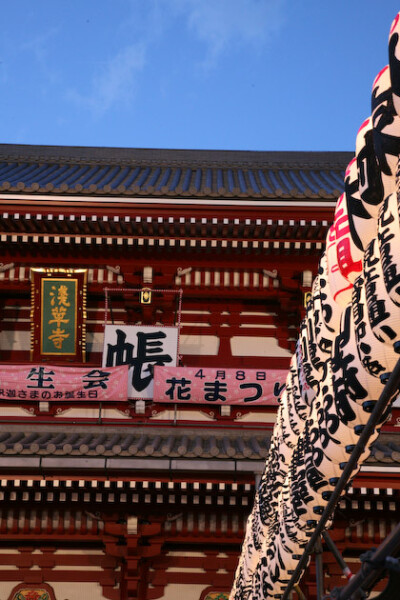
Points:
[[177, 173], [138, 442], [152, 442]]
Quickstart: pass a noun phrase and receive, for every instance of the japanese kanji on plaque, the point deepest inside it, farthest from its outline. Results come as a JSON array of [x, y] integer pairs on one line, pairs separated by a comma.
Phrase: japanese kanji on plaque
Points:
[[140, 347], [218, 386], [58, 314]]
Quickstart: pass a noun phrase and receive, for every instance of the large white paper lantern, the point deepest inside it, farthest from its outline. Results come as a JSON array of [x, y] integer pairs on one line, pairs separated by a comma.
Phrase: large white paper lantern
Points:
[[377, 357], [250, 557], [272, 480], [304, 348], [348, 373], [314, 320], [349, 257], [348, 340], [394, 62], [382, 112], [305, 501], [298, 407], [328, 319], [386, 132], [370, 184], [300, 387], [322, 335], [383, 314], [389, 246], [341, 288], [362, 225]]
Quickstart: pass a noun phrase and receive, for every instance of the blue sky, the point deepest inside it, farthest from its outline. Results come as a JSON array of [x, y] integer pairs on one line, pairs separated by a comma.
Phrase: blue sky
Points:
[[207, 74]]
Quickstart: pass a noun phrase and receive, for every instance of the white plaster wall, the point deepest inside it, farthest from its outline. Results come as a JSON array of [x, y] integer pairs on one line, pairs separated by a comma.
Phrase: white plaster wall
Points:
[[257, 346], [6, 587], [15, 340], [92, 413], [77, 591], [182, 415], [21, 340], [259, 417], [198, 344], [177, 591]]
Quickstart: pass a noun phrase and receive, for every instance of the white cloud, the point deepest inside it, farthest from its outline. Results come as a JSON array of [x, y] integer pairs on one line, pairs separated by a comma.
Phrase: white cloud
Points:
[[223, 24], [36, 52], [220, 25], [115, 83]]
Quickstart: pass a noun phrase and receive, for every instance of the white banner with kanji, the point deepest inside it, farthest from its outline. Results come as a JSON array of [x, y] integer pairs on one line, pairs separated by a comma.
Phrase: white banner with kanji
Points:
[[218, 386], [141, 347]]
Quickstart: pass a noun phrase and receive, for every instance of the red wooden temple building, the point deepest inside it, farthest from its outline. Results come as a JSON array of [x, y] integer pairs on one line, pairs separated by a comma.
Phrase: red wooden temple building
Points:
[[131, 498]]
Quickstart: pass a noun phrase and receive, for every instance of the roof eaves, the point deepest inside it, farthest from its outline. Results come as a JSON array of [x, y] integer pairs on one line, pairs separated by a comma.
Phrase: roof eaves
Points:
[[170, 157]]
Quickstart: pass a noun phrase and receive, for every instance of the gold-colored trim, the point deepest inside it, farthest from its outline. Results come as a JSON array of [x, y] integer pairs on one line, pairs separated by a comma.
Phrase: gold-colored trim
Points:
[[43, 281], [84, 313], [68, 273], [51, 270]]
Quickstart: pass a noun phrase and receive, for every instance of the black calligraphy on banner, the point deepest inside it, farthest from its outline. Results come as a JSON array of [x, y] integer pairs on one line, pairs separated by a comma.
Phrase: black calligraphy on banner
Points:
[[218, 386], [141, 348], [59, 383]]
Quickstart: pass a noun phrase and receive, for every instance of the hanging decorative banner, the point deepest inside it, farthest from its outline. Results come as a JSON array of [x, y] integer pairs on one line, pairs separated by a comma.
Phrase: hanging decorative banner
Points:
[[24, 591], [217, 596], [47, 383], [58, 314], [141, 347], [218, 386], [31, 593]]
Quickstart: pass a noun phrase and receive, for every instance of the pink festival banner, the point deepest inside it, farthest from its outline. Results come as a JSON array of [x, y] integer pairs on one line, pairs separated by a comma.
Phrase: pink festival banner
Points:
[[218, 386], [46, 383]]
